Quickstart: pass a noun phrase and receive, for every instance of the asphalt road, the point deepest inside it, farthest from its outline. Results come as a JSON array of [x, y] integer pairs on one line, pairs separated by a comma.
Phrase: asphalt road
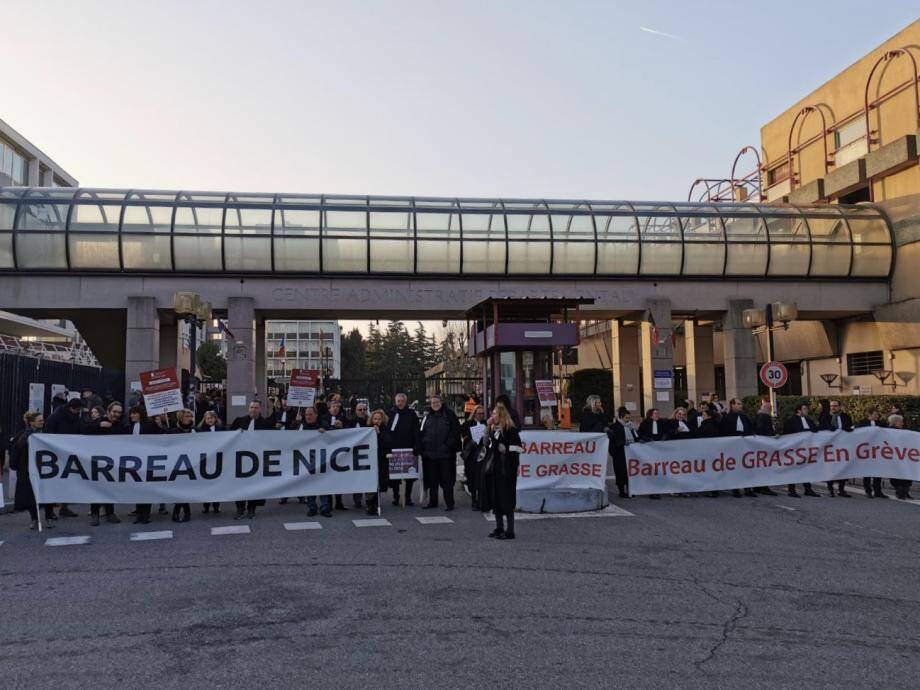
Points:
[[687, 592]]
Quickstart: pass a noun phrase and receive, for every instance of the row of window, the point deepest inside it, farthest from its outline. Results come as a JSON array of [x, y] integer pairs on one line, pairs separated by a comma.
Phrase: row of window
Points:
[[294, 335], [864, 363], [13, 164]]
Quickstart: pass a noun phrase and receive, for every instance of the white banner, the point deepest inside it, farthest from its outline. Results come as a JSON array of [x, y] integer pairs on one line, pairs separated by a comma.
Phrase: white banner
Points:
[[37, 397], [748, 461], [216, 466], [562, 460]]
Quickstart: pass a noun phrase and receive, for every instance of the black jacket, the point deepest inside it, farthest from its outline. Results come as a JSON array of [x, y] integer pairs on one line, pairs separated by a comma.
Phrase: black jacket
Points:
[[793, 425], [283, 419], [592, 422], [440, 434], [148, 427], [499, 484], [829, 424], [96, 429], [708, 429], [866, 422], [763, 425], [645, 430], [61, 421], [262, 423], [729, 426], [356, 422], [403, 428], [673, 433]]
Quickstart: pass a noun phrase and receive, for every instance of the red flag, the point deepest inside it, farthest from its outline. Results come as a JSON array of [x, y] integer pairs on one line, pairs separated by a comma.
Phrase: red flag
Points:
[[656, 338]]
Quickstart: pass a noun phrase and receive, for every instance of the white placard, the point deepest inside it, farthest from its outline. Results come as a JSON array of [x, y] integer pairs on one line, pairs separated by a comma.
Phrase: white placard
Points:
[[37, 397], [630, 405], [477, 432], [237, 399], [191, 468], [662, 396]]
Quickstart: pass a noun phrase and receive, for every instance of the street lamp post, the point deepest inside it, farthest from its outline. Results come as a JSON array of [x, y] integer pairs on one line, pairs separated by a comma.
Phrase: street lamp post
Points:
[[774, 316], [190, 309]]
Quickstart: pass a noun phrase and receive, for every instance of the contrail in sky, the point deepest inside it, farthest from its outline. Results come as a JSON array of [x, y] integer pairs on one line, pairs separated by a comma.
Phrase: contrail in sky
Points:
[[656, 32]]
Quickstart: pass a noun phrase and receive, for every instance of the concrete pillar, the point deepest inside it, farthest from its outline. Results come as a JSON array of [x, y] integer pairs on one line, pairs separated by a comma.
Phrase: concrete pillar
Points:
[[625, 362], [142, 339], [34, 172], [658, 358], [740, 351], [241, 362], [261, 378], [701, 370]]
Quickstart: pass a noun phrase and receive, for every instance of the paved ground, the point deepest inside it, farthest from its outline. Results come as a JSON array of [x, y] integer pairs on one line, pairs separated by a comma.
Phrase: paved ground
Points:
[[688, 592]]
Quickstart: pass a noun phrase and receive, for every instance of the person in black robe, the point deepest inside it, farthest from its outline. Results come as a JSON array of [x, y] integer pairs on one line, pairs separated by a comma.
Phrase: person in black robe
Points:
[[621, 434], [210, 422], [470, 451], [24, 498], [797, 424], [873, 485], [736, 423], [141, 425], [185, 424], [836, 420], [111, 424], [404, 433], [379, 421], [499, 474], [593, 419], [254, 421]]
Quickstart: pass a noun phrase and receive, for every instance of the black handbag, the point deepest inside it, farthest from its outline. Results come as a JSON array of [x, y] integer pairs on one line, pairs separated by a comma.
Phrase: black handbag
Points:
[[485, 458]]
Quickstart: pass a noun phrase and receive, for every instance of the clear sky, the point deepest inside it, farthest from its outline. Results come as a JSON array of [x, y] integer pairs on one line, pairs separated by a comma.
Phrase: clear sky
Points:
[[535, 99]]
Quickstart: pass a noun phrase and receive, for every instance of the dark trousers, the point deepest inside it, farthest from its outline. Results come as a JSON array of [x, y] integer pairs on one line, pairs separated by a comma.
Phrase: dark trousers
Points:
[[143, 511], [215, 506], [47, 507], [394, 485], [440, 473], [107, 508], [242, 506], [841, 485], [619, 472], [805, 486], [872, 485], [901, 486]]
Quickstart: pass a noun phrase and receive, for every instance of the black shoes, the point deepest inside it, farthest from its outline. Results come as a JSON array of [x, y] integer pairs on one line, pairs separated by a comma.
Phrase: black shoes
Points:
[[429, 506], [326, 513], [311, 512], [767, 491], [94, 521], [282, 502], [162, 510], [811, 492], [396, 501], [505, 535], [239, 515], [66, 512], [623, 493], [113, 518], [449, 507], [750, 492], [879, 494], [251, 513], [737, 493], [844, 494], [794, 494], [496, 533]]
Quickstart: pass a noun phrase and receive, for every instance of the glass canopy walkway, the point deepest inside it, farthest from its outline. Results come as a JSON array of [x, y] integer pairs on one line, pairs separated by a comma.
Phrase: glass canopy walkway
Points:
[[153, 232]]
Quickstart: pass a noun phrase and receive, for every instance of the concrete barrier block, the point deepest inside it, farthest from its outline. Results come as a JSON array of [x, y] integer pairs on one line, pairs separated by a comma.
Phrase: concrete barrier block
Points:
[[891, 158], [811, 193], [846, 178]]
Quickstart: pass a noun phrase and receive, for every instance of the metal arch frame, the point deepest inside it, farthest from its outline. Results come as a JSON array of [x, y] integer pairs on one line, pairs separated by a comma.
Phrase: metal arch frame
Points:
[[846, 222], [552, 239], [121, 222], [414, 223], [69, 214], [271, 249], [223, 232], [460, 223], [889, 55], [736, 182], [172, 232], [799, 147], [367, 231]]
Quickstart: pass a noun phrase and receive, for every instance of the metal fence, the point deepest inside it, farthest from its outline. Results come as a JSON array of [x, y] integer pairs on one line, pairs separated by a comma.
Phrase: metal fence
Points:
[[18, 371]]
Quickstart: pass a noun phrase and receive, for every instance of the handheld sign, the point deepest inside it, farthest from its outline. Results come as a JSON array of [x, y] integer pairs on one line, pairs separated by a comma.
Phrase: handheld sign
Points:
[[774, 374], [161, 391], [302, 389], [545, 392], [403, 464]]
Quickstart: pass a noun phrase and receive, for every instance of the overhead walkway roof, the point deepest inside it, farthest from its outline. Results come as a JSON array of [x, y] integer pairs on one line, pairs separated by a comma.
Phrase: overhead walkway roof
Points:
[[79, 230]]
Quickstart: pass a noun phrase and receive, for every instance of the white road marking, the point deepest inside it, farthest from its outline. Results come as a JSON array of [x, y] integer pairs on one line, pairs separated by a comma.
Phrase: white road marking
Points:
[[152, 536], [231, 529], [785, 507], [372, 522], [609, 511], [66, 541], [297, 526], [439, 520]]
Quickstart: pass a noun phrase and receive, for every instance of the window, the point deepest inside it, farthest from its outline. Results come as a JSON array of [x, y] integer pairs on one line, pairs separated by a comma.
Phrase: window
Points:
[[778, 174], [864, 363], [846, 135]]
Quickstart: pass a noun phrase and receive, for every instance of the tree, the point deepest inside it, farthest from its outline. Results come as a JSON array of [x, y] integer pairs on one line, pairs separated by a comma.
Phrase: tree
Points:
[[211, 361], [354, 356]]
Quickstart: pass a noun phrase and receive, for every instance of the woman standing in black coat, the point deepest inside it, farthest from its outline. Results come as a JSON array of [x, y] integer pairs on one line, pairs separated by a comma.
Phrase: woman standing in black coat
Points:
[[185, 424], [499, 475], [379, 421], [139, 424], [593, 419], [210, 422], [24, 498], [471, 449]]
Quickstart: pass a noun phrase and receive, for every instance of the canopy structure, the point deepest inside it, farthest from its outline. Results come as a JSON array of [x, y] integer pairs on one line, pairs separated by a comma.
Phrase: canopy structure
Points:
[[78, 230]]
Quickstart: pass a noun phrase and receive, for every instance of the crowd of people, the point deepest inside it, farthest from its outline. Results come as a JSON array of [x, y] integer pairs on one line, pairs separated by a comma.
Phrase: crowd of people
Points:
[[490, 447], [712, 418]]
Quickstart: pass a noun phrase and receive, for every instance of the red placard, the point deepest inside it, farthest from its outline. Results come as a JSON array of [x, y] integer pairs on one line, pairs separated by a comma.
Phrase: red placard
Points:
[[161, 390], [302, 388]]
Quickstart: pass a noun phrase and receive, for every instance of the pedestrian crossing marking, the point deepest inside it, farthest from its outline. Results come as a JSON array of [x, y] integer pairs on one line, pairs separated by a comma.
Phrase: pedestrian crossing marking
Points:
[[297, 526], [230, 529], [152, 536], [785, 507], [371, 522], [67, 541], [439, 520]]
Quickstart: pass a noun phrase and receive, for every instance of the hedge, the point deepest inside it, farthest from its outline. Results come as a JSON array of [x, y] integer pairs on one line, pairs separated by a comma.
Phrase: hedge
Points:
[[587, 382], [857, 406]]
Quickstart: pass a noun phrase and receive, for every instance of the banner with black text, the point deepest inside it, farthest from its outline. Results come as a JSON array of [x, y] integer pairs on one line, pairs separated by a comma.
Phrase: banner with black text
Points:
[[216, 466], [747, 461]]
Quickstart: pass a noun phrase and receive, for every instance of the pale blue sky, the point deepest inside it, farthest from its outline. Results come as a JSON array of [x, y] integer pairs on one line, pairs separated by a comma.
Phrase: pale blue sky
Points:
[[535, 99]]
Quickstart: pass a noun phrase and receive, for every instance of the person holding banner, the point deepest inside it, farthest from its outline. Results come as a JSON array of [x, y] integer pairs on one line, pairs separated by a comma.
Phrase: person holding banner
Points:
[[652, 427], [500, 471], [404, 433], [678, 429], [901, 486], [254, 421], [797, 424], [66, 420], [282, 417], [873, 485], [836, 420], [593, 419], [471, 433], [360, 419], [24, 498], [140, 425], [111, 425], [621, 434], [736, 423], [185, 424], [310, 421], [439, 437], [384, 446], [210, 422]]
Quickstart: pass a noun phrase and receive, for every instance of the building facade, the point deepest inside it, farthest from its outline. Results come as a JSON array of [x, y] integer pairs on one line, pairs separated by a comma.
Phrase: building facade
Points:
[[302, 345], [22, 164]]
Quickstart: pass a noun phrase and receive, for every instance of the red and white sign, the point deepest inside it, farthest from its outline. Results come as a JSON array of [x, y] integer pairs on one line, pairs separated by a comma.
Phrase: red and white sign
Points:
[[161, 390], [545, 392], [774, 374], [562, 460], [302, 389]]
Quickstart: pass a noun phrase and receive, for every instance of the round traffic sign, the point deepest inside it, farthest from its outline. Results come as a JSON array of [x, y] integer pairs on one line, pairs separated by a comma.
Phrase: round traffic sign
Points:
[[774, 374]]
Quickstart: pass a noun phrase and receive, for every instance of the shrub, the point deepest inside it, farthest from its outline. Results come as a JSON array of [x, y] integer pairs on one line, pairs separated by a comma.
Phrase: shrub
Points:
[[857, 406], [587, 382]]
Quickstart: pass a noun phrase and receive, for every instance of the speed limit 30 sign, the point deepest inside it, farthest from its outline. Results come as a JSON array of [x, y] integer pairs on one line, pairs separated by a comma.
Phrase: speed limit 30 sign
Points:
[[774, 374]]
